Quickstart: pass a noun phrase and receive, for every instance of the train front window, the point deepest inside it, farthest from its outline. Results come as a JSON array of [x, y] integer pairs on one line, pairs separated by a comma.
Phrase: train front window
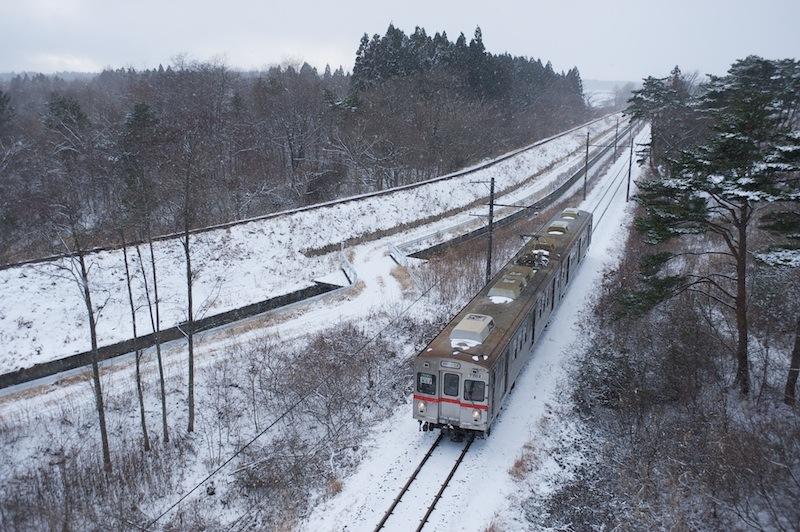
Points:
[[474, 390], [450, 386], [426, 383]]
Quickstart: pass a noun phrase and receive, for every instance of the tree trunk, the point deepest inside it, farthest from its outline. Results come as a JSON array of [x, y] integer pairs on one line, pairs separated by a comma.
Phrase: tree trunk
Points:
[[794, 367], [155, 323], [742, 361], [67, 503], [139, 391], [189, 325], [188, 218], [98, 393]]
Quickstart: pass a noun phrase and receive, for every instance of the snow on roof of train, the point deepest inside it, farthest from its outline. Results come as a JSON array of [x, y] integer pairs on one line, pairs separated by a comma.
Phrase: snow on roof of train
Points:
[[505, 300]]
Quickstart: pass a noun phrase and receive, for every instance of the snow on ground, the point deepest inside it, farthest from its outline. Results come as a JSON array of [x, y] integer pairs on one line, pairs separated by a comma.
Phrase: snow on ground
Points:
[[482, 490], [42, 315]]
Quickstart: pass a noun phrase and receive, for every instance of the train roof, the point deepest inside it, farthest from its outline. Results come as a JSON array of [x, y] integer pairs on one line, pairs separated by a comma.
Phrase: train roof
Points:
[[480, 332]]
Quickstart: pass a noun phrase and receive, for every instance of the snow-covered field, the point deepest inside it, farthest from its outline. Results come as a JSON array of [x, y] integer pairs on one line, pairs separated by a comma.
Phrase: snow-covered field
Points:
[[483, 492], [42, 315]]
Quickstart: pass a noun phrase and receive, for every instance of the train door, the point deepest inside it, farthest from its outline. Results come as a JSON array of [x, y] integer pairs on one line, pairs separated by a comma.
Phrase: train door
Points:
[[569, 261], [506, 363], [449, 406]]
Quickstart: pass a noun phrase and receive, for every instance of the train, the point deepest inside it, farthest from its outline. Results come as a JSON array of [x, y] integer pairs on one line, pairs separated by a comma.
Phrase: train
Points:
[[463, 376]]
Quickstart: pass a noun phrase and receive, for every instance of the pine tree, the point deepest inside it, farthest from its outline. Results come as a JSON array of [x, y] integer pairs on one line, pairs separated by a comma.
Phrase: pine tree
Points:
[[748, 159], [664, 103], [5, 110]]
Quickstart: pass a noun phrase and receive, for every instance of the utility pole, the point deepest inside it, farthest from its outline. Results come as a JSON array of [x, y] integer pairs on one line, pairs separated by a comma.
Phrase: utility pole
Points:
[[491, 228], [630, 165], [586, 167], [616, 138]]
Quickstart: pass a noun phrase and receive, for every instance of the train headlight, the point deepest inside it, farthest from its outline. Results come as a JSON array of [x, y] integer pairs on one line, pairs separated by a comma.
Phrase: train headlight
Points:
[[421, 406], [476, 414]]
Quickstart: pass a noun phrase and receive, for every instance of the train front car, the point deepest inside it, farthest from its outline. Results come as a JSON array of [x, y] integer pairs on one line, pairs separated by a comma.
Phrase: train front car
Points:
[[451, 385], [465, 373]]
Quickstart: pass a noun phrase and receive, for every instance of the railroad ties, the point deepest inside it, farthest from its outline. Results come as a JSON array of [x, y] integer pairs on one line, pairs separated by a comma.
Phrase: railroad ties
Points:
[[442, 486]]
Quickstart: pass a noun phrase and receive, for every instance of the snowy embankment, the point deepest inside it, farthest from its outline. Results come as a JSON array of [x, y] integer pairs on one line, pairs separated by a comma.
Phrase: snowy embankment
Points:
[[42, 315], [483, 491]]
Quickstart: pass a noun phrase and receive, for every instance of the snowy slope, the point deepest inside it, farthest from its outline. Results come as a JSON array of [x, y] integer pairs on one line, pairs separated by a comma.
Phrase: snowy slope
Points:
[[41, 311], [482, 488]]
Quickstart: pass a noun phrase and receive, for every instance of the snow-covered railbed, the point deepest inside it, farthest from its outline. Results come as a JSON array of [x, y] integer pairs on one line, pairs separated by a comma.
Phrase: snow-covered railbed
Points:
[[41, 312], [482, 490]]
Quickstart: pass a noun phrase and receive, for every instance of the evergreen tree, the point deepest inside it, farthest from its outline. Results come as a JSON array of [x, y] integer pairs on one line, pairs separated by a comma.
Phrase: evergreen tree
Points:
[[5, 110], [748, 159], [664, 103]]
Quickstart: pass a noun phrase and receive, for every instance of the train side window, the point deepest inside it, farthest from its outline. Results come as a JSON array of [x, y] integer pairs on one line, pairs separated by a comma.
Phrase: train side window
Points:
[[450, 384], [426, 383], [474, 390]]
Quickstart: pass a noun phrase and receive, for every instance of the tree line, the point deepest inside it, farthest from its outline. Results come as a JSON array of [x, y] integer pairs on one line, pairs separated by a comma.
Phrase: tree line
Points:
[[413, 108]]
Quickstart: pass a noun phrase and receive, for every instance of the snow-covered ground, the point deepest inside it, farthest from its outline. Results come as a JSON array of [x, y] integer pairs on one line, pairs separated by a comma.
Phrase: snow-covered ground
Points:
[[381, 286], [482, 492], [42, 315]]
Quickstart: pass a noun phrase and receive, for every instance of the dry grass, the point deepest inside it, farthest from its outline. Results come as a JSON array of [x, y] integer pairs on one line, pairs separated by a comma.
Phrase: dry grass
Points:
[[494, 526], [403, 278], [524, 464], [334, 486]]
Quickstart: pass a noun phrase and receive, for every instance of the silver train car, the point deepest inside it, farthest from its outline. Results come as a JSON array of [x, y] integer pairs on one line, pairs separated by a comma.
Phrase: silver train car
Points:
[[462, 377]]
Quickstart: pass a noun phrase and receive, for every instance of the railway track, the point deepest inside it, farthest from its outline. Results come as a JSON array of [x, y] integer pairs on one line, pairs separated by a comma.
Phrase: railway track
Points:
[[599, 208], [616, 183], [411, 481]]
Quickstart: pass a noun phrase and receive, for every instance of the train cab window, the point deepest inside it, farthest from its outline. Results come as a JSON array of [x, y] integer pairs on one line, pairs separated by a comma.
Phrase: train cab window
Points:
[[426, 383], [474, 390], [450, 384]]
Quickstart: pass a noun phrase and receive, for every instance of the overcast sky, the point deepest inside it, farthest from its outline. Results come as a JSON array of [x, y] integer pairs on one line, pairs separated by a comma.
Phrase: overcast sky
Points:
[[612, 40]]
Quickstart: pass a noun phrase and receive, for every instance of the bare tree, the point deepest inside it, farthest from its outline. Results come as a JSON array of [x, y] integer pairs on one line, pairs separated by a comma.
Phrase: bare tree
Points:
[[138, 353], [141, 156], [71, 163], [74, 266], [155, 323], [186, 243]]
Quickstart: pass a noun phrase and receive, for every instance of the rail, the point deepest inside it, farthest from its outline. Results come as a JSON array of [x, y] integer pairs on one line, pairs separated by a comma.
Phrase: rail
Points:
[[410, 481]]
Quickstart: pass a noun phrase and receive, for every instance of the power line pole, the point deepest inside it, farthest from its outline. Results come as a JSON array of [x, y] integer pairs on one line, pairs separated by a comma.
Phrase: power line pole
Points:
[[616, 138], [586, 167], [491, 229], [630, 165]]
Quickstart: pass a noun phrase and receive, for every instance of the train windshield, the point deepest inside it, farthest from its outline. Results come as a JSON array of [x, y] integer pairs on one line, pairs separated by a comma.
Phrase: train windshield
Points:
[[474, 390], [426, 383], [450, 384]]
